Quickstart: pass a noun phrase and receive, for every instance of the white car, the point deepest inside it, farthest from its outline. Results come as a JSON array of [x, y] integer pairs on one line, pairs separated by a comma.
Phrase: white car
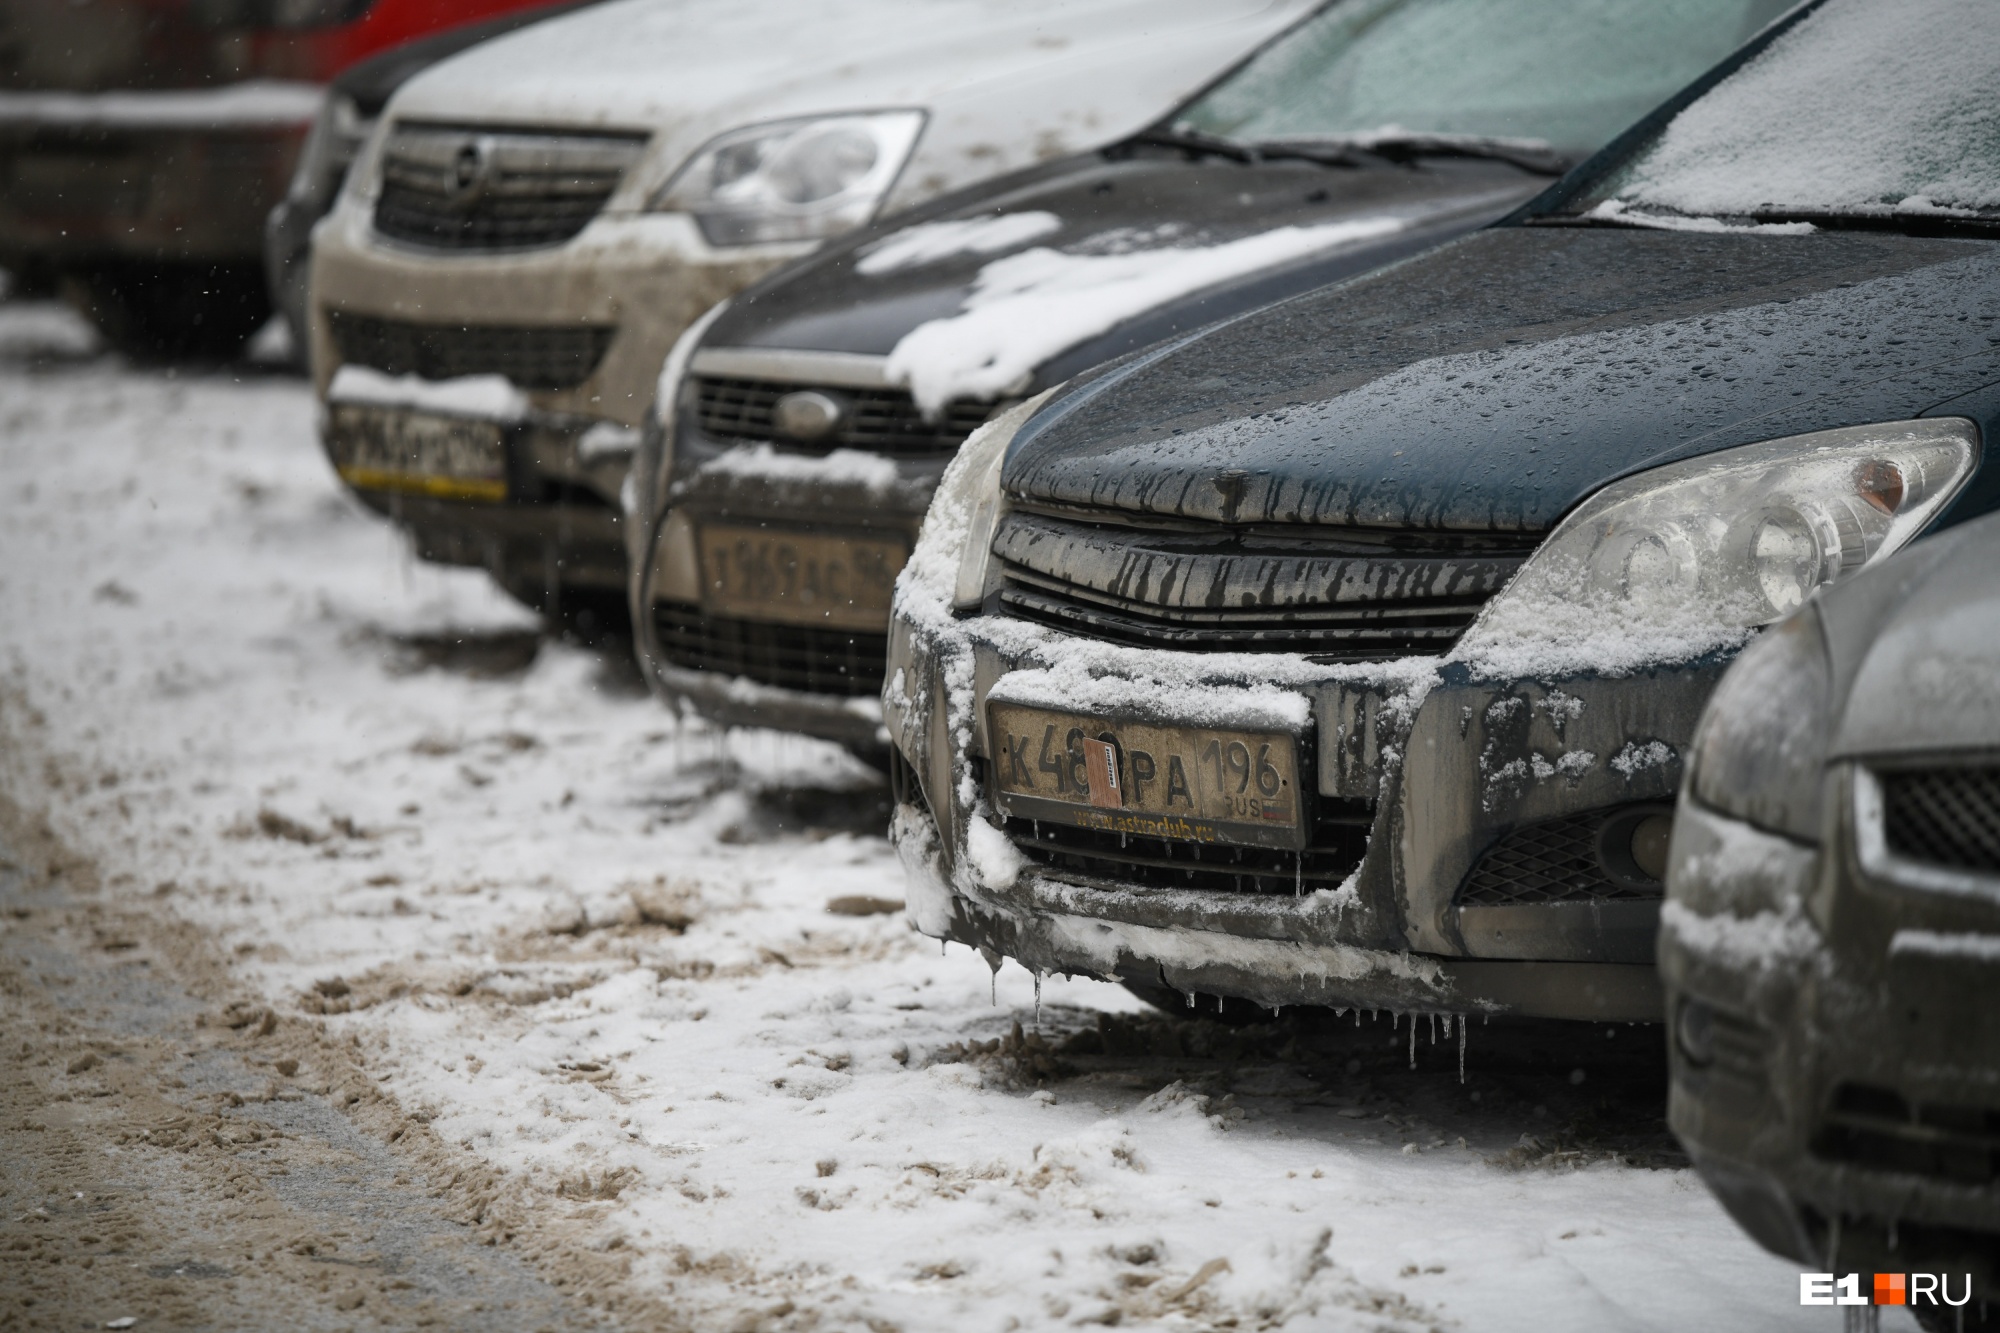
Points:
[[535, 222]]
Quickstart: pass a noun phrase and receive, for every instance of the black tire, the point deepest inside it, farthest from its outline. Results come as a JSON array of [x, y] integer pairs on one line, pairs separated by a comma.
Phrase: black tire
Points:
[[159, 312]]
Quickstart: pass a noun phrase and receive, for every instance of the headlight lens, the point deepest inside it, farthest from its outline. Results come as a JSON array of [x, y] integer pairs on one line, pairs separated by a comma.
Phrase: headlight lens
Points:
[[954, 551], [793, 180], [1683, 559], [1760, 749]]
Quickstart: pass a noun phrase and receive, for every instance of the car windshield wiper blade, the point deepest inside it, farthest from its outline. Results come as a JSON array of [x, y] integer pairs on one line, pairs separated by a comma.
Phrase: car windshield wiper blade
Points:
[[1328, 154], [1409, 145], [1607, 213]]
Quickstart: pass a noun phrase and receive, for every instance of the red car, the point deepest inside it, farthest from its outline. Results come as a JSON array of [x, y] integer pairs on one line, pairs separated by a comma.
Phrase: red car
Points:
[[143, 142]]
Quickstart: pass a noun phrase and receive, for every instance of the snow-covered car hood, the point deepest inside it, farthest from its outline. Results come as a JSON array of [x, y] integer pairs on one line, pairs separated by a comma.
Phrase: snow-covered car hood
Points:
[[1916, 643], [1005, 82], [1064, 266], [1493, 383]]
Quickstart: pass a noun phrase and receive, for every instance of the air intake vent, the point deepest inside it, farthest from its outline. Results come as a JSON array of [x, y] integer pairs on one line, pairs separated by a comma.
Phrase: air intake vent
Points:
[[1880, 1129], [1946, 817], [556, 357], [453, 188], [792, 657]]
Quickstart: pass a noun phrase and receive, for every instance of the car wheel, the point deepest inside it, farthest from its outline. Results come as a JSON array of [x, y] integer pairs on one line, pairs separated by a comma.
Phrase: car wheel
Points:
[[172, 311]]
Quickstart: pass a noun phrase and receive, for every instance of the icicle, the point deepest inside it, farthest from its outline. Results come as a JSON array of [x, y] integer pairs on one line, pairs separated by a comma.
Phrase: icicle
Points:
[[1038, 1001], [1461, 1050], [1413, 1041], [1357, 1018], [993, 988], [1190, 996], [1218, 1004], [1434, 1030], [1298, 874]]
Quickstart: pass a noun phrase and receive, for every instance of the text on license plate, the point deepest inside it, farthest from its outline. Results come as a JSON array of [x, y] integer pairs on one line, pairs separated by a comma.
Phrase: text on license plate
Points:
[[798, 578], [1198, 784], [387, 449]]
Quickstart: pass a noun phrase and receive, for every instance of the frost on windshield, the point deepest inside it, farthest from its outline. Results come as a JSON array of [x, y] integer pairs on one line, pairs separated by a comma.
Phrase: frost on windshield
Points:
[[1861, 108]]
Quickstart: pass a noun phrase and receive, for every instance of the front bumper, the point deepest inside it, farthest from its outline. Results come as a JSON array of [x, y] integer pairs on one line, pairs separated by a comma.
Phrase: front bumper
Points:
[[1835, 1055], [82, 191], [1452, 771], [646, 278]]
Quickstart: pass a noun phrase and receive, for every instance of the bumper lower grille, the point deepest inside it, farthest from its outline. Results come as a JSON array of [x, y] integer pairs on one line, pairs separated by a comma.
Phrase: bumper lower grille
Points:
[[792, 657], [555, 357], [1338, 846], [1556, 861], [469, 189], [1879, 1129], [1944, 816], [884, 421], [1332, 594]]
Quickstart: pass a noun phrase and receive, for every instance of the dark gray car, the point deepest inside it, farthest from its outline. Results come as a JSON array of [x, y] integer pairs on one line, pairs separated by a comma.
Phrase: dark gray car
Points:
[[1831, 940], [810, 420]]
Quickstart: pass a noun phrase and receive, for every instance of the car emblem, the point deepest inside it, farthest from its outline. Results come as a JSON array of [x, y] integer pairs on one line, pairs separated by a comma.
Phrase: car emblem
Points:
[[807, 415], [471, 167]]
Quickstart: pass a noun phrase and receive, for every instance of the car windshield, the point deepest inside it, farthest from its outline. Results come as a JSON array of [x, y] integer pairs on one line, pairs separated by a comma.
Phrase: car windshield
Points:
[[1563, 74], [1863, 108]]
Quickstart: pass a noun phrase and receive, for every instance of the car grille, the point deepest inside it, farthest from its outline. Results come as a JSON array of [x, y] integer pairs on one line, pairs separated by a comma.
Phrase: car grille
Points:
[[792, 657], [1333, 594], [1944, 816], [1339, 842], [1554, 861], [455, 188], [885, 421], [1878, 1128], [547, 357]]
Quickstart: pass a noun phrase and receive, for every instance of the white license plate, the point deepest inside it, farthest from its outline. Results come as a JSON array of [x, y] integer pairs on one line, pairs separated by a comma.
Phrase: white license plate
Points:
[[388, 449]]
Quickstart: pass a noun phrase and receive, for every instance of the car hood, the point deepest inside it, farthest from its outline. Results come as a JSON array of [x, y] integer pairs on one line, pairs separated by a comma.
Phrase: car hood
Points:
[[1106, 212], [1495, 382], [1006, 82], [1916, 645]]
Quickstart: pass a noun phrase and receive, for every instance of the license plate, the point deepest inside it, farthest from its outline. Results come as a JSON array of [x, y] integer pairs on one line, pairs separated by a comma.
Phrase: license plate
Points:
[[1194, 784], [385, 449], [799, 578]]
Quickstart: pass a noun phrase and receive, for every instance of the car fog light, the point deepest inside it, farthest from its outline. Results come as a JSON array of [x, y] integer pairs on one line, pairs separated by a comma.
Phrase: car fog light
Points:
[[1694, 1033], [1649, 845], [1632, 846], [807, 415]]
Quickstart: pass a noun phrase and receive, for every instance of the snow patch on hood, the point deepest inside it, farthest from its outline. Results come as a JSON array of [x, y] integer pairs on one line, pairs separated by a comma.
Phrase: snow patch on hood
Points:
[[491, 397], [1027, 307], [928, 242]]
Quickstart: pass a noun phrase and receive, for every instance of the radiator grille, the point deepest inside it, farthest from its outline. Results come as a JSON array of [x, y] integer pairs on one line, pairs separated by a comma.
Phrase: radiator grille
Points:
[[792, 657], [1332, 594], [470, 189], [1555, 861], [1879, 1128], [1944, 816], [549, 357], [1339, 842], [884, 421]]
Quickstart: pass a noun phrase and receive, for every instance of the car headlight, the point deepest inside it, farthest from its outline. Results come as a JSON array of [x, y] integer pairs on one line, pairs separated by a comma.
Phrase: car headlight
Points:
[[792, 180], [954, 551], [1687, 558], [329, 151], [1760, 748]]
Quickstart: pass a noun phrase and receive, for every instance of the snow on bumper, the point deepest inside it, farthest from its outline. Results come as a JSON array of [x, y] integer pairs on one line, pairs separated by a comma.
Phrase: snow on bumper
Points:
[[1450, 766]]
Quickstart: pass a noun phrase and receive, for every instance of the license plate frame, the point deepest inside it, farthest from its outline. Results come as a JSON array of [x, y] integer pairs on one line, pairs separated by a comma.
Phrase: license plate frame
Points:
[[1192, 793], [831, 580], [433, 454]]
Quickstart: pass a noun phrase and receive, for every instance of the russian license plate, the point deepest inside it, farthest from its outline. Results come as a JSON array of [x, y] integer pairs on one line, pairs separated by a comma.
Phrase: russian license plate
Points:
[[388, 449], [799, 578], [1195, 784]]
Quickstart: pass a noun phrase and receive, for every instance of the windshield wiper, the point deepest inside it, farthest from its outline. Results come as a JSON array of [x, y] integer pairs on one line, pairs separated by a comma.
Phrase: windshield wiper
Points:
[[1407, 146], [1204, 144], [1610, 213]]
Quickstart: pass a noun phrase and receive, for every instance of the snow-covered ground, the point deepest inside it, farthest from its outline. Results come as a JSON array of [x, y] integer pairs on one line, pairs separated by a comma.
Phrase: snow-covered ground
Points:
[[608, 954]]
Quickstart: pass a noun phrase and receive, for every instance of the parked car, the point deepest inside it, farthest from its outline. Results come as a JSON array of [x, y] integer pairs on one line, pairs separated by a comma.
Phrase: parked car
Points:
[[142, 143], [1346, 653], [1832, 928], [347, 116], [624, 169], [813, 418]]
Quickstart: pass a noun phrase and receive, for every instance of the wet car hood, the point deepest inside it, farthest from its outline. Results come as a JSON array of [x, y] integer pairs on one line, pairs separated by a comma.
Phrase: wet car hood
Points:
[[1915, 648], [1495, 382], [1126, 200]]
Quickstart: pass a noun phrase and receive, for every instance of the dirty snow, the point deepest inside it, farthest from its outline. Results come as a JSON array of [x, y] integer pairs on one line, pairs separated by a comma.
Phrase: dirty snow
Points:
[[1026, 307], [1862, 107], [594, 947]]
